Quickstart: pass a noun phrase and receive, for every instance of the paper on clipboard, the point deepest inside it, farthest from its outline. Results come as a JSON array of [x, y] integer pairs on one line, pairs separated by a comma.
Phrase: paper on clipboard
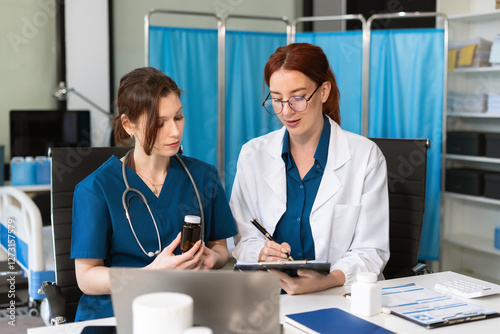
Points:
[[429, 308]]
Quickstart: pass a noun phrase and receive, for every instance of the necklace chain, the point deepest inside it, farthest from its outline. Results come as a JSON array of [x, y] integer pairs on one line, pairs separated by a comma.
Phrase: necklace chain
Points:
[[155, 190]]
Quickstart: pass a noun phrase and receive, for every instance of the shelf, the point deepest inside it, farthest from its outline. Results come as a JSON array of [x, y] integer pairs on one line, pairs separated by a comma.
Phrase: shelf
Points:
[[31, 188], [471, 198], [472, 242], [473, 115], [482, 69], [475, 17], [473, 158]]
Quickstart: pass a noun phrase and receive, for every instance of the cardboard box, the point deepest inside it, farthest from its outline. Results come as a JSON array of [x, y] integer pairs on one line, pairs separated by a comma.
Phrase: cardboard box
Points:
[[465, 181], [492, 145], [492, 185], [468, 143]]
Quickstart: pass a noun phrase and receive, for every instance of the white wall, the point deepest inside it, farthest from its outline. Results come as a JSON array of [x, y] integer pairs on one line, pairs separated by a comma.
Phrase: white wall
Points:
[[27, 59], [128, 17], [451, 7], [87, 63], [327, 8], [28, 47]]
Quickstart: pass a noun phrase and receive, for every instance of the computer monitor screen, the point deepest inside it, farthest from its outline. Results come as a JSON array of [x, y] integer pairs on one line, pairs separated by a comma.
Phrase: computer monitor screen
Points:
[[32, 132]]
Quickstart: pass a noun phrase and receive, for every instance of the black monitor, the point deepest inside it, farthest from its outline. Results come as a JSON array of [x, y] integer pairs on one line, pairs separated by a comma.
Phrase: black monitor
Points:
[[32, 132]]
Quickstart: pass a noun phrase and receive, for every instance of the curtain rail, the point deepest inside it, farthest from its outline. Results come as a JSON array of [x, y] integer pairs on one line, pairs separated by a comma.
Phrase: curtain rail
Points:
[[147, 24]]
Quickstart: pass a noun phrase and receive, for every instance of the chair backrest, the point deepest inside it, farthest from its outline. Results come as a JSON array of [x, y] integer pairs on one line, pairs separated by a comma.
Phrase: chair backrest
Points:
[[69, 166], [406, 168], [42, 201]]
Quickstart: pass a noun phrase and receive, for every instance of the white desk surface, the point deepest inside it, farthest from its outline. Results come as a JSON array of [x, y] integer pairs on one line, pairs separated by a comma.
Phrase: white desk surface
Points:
[[334, 298]]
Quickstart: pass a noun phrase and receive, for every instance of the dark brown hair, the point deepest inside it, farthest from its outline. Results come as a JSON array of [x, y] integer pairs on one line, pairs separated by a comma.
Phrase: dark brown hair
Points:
[[140, 92], [311, 61]]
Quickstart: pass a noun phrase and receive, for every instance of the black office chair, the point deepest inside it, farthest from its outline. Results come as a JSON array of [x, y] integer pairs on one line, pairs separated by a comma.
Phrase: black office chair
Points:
[[407, 169], [42, 201], [69, 166]]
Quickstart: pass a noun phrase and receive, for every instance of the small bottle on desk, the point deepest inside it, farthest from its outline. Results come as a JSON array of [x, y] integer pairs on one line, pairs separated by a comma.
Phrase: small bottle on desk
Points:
[[366, 295], [191, 232]]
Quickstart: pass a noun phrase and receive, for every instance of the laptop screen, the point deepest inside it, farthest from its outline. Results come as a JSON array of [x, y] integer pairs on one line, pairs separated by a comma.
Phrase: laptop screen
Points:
[[225, 301]]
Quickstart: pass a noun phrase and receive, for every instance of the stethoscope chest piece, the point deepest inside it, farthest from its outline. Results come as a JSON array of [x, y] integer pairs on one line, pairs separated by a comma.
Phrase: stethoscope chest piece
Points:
[[151, 254]]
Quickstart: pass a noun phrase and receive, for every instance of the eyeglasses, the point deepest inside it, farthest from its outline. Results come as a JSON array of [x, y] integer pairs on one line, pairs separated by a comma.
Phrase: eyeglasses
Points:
[[296, 103]]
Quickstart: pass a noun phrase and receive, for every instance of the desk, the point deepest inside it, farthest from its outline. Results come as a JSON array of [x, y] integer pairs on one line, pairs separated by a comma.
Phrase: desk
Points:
[[334, 298]]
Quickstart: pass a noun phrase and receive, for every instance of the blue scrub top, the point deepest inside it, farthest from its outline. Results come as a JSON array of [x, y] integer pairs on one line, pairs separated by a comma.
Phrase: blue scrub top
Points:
[[294, 226], [100, 229]]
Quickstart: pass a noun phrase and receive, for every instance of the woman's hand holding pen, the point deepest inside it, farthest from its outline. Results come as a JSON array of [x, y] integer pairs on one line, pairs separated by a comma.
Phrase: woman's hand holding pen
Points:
[[191, 259], [272, 251]]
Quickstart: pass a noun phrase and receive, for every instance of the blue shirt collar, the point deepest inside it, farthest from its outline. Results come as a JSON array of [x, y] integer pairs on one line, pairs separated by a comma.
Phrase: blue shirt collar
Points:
[[321, 154]]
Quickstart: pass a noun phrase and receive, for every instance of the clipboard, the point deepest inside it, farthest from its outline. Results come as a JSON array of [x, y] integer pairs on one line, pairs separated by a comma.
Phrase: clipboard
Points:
[[288, 267], [431, 309]]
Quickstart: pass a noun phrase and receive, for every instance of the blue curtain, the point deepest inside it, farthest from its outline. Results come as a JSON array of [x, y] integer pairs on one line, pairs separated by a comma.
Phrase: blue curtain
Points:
[[406, 101], [406, 89], [345, 54], [189, 56], [246, 56]]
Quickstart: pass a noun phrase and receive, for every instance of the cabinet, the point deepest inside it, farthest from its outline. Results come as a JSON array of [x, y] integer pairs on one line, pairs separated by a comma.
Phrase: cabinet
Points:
[[469, 222]]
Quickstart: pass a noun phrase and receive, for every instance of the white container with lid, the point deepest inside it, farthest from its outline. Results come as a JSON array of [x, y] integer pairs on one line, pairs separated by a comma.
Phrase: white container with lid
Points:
[[366, 295]]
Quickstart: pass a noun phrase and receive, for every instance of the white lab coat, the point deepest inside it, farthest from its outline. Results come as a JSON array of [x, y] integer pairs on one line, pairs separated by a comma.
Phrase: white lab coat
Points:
[[350, 214]]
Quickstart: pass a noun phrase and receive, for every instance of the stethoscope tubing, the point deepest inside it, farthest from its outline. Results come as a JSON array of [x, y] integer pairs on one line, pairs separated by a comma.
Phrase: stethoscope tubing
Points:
[[144, 200]]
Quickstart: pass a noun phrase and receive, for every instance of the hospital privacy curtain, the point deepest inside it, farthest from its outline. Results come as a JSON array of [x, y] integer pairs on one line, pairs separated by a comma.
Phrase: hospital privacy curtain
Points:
[[406, 101], [406, 89]]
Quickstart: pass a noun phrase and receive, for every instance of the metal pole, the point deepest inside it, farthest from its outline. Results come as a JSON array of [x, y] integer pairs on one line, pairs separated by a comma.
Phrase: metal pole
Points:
[[221, 106], [221, 132], [445, 91], [147, 24], [365, 70]]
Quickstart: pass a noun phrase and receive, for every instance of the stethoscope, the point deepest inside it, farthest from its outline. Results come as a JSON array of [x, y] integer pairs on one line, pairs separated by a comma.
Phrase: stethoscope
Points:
[[141, 196]]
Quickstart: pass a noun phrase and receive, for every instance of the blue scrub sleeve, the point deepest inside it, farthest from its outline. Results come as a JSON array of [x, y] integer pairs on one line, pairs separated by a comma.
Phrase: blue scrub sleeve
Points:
[[91, 228]]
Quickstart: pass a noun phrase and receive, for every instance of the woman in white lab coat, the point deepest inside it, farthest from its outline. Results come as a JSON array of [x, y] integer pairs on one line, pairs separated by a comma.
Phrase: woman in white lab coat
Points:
[[320, 191]]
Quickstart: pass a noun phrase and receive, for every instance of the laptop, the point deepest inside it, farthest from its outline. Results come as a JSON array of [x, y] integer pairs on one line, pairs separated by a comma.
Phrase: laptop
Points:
[[225, 301]]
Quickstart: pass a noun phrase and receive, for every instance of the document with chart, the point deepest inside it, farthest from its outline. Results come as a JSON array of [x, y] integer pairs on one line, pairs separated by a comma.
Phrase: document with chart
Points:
[[429, 308]]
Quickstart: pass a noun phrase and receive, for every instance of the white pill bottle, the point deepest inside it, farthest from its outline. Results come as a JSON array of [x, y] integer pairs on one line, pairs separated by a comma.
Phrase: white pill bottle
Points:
[[366, 295]]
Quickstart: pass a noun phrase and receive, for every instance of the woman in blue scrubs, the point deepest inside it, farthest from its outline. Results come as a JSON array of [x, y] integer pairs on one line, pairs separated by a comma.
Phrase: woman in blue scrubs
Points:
[[150, 113], [319, 190]]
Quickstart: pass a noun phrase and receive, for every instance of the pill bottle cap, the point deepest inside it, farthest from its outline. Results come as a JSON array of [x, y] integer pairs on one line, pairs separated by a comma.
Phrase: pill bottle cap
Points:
[[17, 160], [366, 277], [192, 219]]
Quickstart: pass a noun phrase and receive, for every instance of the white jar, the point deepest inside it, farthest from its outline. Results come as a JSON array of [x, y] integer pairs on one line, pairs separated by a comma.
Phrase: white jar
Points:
[[366, 295]]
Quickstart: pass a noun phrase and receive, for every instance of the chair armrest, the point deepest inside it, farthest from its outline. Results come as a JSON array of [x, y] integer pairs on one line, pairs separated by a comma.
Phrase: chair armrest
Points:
[[56, 302], [421, 269]]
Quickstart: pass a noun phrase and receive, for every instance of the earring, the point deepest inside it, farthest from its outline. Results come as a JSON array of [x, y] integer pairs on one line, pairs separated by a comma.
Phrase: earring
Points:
[[131, 136]]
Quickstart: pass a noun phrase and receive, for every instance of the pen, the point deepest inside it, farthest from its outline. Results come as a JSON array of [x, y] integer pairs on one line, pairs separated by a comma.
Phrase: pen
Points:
[[261, 228]]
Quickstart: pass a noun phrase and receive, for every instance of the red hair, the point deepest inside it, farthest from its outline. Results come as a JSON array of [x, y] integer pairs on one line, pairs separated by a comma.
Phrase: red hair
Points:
[[310, 60]]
